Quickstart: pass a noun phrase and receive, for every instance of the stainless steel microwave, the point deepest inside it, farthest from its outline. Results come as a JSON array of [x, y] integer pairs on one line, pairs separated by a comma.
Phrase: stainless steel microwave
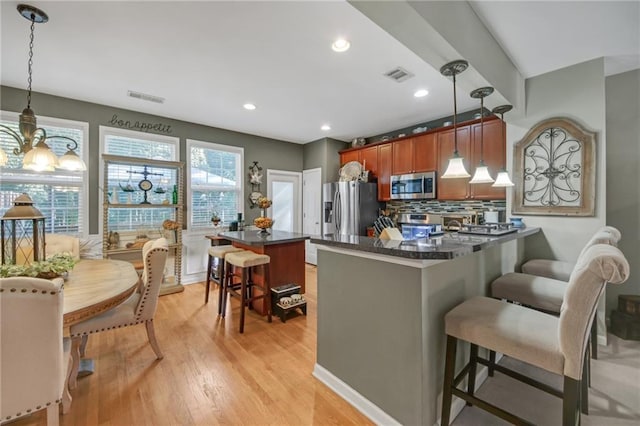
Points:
[[413, 186]]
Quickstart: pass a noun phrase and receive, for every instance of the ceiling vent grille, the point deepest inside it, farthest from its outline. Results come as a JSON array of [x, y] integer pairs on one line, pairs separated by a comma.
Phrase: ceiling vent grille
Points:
[[398, 74], [145, 97]]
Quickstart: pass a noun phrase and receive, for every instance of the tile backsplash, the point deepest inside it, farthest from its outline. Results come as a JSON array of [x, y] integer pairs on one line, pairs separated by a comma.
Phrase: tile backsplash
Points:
[[418, 206]]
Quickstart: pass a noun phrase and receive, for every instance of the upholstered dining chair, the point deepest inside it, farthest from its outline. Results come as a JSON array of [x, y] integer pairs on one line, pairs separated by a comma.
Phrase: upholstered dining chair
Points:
[[554, 344], [59, 243], [33, 358], [139, 308], [561, 270]]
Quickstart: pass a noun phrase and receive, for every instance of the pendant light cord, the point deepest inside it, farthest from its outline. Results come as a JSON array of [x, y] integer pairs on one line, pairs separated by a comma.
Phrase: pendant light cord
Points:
[[482, 131], [455, 113], [33, 23]]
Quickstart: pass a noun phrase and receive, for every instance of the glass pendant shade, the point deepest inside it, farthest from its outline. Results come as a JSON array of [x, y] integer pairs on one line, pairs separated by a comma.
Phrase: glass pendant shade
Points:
[[456, 168], [70, 161], [481, 175], [40, 159], [503, 180]]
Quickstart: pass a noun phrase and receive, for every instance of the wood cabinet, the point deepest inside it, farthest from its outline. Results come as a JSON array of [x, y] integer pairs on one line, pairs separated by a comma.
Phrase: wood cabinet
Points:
[[469, 148], [417, 154], [384, 172], [136, 212], [351, 155], [365, 156]]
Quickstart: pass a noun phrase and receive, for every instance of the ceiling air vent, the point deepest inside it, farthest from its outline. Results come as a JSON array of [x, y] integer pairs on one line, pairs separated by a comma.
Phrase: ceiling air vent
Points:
[[398, 74], [145, 97]]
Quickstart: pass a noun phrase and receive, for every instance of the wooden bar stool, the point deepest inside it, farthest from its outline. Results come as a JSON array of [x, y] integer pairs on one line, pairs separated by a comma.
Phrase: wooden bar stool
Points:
[[217, 252], [245, 261]]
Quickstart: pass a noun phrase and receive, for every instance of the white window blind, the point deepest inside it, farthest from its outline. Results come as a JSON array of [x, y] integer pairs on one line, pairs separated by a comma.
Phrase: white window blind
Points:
[[139, 145], [215, 182], [61, 195]]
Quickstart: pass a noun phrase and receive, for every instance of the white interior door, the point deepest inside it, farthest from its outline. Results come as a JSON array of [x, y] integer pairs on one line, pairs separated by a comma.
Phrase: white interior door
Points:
[[285, 190], [311, 210]]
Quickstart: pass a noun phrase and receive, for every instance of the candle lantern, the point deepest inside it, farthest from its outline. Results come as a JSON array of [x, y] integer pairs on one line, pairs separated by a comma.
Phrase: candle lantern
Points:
[[22, 233]]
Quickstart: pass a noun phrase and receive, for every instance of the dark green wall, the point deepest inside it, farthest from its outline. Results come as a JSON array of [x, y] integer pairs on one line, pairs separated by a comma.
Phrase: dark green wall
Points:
[[270, 153]]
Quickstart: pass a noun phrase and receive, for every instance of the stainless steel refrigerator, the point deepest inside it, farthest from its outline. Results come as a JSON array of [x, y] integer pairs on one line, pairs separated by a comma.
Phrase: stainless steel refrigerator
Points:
[[349, 207]]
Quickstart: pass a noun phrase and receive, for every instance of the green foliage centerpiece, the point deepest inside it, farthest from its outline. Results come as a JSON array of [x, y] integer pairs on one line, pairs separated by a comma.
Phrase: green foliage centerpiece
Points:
[[53, 267]]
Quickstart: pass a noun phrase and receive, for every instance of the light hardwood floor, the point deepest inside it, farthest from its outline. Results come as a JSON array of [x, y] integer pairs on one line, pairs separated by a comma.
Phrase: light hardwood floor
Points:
[[210, 373]]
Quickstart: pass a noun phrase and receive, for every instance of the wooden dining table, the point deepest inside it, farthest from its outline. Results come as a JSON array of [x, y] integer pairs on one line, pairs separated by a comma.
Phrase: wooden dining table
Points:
[[91, 288]]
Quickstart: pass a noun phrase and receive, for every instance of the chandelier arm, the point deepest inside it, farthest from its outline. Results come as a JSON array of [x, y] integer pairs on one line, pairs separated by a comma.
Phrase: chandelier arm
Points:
[[9, 131], [72, 146], [39, 135]]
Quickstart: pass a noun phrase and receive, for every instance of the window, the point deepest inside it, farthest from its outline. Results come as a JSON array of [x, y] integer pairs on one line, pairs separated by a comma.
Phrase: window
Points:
[[215, 176], [129, 143], [61, 195]]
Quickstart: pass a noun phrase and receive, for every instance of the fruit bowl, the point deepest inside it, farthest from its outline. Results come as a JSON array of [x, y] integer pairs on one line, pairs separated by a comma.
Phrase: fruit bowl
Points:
[[263, 223]]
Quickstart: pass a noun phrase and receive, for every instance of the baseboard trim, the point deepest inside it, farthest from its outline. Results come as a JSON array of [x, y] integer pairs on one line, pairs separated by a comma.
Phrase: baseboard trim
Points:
[[359, 402]]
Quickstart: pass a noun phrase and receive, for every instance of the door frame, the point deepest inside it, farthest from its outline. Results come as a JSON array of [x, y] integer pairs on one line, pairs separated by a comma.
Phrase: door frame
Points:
[[311, 254], [272, 175]]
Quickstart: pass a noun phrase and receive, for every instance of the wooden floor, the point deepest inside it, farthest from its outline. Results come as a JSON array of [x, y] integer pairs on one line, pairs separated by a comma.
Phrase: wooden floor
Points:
[[210, 373]]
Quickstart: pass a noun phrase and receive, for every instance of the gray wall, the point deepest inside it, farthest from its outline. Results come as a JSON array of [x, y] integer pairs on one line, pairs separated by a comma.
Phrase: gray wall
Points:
[[323, 153], [270, 153], [623, 173]]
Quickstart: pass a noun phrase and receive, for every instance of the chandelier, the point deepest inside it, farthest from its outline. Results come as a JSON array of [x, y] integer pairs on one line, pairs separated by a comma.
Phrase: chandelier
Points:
[[32, 139]]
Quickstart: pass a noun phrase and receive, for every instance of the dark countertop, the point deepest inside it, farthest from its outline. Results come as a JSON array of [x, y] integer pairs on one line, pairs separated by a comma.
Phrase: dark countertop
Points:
[[253, 238], [448, 246]]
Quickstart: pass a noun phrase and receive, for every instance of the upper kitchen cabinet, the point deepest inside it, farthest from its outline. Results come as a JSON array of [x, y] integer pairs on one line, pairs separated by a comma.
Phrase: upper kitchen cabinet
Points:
[[384, 172], [494, 157], [417, 154], [368, 157], [453, 189], [351, 155], [469, 147]]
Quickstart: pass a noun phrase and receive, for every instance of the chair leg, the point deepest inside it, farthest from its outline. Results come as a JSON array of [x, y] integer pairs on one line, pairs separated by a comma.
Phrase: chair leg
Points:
[[492, 362], [207, 286], [53, 412], [243, 297], [66, 395], [584, 388], [83, 345], [151, 334], [447, 387], [471, 379], [75, 362], [594, 338], [571, 402]]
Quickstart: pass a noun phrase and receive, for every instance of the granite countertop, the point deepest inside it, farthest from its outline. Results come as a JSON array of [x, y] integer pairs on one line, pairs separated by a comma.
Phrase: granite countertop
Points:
[[447, 246], [254, 238]]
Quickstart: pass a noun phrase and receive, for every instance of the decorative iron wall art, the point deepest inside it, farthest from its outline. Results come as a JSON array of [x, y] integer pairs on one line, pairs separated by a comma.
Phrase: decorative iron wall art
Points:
[[555, 170]]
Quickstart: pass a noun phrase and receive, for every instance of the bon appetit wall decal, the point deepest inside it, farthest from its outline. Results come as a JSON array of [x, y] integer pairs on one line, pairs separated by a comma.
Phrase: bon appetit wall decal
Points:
[[140, 125]]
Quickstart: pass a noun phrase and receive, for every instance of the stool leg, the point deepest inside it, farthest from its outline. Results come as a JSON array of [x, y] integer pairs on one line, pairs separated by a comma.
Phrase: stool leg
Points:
[[473, 362], [594, 338], [243, 298], [492, 362], [447, 388], [221, 287], [267, 290], [570, 402], [584, 388], [208, 285], [226, 283]]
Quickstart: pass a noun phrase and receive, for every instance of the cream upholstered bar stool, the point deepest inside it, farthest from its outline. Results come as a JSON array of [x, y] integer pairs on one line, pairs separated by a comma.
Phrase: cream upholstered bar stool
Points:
[[546, 294], [34, 359], [554, 344], [139, 308], [560, 270], [244, 263], [219, 253]]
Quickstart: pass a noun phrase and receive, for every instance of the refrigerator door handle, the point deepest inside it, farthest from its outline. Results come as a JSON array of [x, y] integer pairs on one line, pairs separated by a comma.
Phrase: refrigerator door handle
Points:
[[337, 211]]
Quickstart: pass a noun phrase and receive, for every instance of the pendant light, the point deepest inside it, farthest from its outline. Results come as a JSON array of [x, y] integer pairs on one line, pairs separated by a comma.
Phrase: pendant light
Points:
[[481, 174], [456, 168], [502, 180], [32, 139]]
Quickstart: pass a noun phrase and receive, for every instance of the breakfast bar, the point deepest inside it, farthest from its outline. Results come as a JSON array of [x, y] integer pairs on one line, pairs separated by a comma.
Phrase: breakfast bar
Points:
[[286, 250], [381, 307]]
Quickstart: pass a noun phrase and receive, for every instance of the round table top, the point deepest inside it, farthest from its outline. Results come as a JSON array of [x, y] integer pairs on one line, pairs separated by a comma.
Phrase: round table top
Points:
[[96, 285]]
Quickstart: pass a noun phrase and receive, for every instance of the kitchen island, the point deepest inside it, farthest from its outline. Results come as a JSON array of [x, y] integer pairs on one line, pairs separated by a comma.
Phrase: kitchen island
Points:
[[381, 307], [286, 250]]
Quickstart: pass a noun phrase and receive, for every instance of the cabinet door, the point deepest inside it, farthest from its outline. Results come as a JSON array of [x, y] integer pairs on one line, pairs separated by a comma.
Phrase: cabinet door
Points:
[[347, 156], [384, 172], [452, 189], [494, 156], [369, 159], [425, 148], [402, 157]]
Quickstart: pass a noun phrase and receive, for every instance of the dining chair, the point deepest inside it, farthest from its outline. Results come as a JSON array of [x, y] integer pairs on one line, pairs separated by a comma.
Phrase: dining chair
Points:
[[137, 309], [554, 344], [60, 243], [33, 357]]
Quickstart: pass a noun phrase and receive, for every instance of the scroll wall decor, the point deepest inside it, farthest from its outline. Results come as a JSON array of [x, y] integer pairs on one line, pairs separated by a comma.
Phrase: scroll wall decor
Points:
[[555, 170]]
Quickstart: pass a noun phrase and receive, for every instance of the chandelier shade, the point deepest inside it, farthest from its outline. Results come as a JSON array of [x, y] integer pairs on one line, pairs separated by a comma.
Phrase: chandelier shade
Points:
[[455, 168], [31, 140]]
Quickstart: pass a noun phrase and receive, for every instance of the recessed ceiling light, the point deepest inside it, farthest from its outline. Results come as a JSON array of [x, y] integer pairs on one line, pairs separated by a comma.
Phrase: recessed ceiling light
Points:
[[421, 93], [325, 127], [250, 107], [340, 45]]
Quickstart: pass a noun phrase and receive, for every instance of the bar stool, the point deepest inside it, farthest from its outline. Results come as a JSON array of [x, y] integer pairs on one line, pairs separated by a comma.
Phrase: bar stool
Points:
[[246, 261], [217, 252]]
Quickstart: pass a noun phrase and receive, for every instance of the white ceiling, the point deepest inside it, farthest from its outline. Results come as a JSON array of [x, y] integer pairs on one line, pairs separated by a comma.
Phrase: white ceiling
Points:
[[209, 58]]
